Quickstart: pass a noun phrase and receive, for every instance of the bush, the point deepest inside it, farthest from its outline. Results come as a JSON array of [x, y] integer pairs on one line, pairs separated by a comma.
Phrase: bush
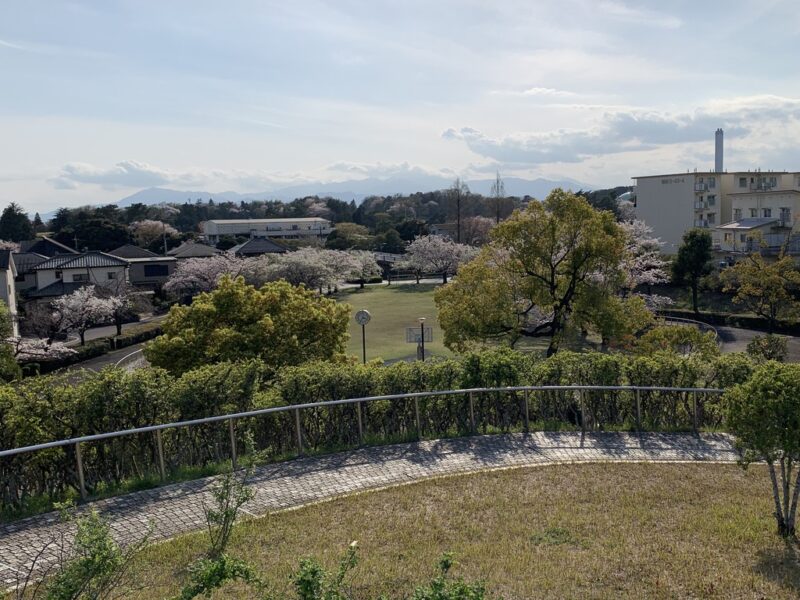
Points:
[[768, 347]]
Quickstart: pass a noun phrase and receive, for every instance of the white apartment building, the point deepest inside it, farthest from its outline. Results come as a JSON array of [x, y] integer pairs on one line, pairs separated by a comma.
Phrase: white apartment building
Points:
[[266, 228], [674, 203]]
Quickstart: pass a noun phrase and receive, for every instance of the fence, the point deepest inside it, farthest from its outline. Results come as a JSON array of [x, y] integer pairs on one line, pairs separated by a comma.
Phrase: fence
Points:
[[703, 327], [86, 462]]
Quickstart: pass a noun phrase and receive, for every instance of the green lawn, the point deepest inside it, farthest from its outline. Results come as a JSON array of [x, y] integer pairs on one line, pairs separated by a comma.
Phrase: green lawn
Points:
[[393, 308], [579, 531]]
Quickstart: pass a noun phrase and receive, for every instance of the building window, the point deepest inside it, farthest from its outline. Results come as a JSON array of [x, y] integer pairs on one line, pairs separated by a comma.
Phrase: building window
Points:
[[767, 212], [742, 182], [728, 238], [753, 213], [712, 200], [712, 218], [156, 271], [712, 182], [80, 277], [737, 214], [59, 274], [112, 274], [743, 237], [786, 215]]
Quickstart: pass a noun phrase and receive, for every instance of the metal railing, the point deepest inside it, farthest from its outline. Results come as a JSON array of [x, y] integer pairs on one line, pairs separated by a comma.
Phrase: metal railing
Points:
[[579, 390], [704, 327]]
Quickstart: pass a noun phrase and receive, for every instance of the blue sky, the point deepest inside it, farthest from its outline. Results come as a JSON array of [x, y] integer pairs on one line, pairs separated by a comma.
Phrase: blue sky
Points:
[[103, 98]]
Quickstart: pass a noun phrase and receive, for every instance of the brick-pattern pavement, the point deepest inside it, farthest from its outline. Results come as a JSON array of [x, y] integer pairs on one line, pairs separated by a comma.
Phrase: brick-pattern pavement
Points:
[[178, 508]]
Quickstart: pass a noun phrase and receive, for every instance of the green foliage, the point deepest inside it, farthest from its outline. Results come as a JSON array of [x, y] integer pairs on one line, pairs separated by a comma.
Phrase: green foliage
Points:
[[767, 289], [313, 582], [207, 575], [693, 261], [444, 588], [681, 339], [541, 265], [14, 224], [9, 370], [764, 415], [230, 494], [280, 324], [769, 347]]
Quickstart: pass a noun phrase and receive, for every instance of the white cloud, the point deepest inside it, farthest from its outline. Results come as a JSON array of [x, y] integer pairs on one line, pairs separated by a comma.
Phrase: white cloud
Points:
[[625, 131], [629, 14], [382, 170], [537, 92]]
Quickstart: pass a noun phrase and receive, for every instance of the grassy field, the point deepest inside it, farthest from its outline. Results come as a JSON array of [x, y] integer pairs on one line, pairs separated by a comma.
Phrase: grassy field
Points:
[[393, 308], [580, 531]]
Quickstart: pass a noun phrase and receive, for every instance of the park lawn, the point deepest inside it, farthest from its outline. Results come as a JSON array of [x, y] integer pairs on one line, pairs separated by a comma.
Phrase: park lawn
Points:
[[393, 308], [566, 531]]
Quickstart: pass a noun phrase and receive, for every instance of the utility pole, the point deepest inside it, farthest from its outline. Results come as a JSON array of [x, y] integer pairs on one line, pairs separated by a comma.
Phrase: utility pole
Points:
[[498, 193]]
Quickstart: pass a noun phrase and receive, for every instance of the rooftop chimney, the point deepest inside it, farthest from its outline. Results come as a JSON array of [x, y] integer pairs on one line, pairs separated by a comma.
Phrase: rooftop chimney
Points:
[[718, 150]]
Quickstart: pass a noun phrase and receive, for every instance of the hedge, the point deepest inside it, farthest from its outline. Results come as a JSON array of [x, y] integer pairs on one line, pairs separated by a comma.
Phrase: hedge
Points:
[[50, 408], [734, 320]]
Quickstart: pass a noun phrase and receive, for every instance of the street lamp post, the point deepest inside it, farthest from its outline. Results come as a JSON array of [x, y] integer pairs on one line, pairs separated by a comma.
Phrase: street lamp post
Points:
[[362, 318]]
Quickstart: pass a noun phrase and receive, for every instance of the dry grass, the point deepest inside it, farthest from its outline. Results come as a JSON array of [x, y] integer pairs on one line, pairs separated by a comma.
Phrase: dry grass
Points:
[[581, 531]]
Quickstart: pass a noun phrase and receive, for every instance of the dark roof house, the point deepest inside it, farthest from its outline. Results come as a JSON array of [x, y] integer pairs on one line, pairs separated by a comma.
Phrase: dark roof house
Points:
[[193, 250], [25, 261], [85, 260], [131, 251], [46, 247], [257, 247]]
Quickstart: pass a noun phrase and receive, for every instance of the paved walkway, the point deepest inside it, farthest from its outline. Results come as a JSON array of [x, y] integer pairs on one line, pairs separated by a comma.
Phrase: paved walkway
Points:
[[178, 508]]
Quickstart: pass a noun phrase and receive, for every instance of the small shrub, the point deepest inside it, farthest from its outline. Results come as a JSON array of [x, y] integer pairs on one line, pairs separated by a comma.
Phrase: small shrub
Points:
[[768, 347], [443, 588]]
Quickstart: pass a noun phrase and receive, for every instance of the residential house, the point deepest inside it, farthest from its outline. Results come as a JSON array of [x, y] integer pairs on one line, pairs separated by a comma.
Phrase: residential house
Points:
[[26, 276], [63, 274], [146, 268], [45, 246], [257, 247], [8, 293], [193, 250]]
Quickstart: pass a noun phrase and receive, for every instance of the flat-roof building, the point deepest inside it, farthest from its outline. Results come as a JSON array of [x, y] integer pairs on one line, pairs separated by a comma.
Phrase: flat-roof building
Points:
[[214, 229]]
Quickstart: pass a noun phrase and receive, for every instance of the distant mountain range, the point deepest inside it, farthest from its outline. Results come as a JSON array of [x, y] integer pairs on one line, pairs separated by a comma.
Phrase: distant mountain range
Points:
[[356, 189]]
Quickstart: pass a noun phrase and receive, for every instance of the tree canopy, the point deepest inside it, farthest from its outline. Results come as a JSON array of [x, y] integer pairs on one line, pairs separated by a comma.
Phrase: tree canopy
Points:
[[542, 265], [693, 261], [280, 324], [14, 224]]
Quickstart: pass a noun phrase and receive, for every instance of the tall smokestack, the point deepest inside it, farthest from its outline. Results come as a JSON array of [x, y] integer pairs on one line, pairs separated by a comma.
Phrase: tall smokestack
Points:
[[718, 150]]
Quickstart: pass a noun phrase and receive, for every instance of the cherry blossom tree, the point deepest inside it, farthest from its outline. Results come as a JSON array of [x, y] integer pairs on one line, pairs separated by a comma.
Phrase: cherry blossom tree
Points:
[[643, 264], [148, 231], [313, 267], [6, 245], [36, 349], [81, 310], [438, 254], [475, 230], [364, 266], [195, 275]]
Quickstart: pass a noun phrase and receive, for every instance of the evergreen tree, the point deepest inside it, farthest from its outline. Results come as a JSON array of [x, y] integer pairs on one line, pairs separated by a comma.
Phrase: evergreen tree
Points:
[[15, 225]]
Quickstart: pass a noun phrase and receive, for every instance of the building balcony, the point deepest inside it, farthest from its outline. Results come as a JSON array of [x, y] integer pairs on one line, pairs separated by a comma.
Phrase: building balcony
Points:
[[763, 186], [701, 223], [700, 187], [700, 205]]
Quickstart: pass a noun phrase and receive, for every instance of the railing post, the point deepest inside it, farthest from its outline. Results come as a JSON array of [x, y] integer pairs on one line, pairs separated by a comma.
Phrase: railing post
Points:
[[160, 448], [527, 414], [81, 480], [298, 431], [360, 424], [416, 415], [694, 411], [232, 433], [638, 410], [583, 411], [472, 411]]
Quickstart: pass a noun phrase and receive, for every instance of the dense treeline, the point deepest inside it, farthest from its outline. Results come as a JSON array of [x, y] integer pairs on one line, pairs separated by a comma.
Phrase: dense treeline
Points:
[[54, 407]]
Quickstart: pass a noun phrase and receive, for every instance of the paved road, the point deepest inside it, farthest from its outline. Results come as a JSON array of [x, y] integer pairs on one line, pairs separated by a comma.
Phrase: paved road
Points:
[[735, 339], [178, 508]]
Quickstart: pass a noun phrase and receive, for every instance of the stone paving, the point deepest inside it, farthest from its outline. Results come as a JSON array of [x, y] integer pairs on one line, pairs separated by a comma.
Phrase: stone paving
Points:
[[178, 508]]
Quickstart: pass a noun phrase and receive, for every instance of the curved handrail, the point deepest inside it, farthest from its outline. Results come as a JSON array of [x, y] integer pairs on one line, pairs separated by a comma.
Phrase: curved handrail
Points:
[[298, 407], [699, 324]]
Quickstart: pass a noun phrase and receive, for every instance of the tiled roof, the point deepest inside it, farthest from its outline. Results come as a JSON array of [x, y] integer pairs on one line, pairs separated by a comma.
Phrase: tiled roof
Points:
[[26, 261], [258, 246], [58, 288], [131, 251], [46, 246], [87, 260], [193, 250]]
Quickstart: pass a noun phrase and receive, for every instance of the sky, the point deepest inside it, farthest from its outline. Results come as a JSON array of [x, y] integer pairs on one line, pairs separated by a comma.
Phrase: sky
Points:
[[101, 99]]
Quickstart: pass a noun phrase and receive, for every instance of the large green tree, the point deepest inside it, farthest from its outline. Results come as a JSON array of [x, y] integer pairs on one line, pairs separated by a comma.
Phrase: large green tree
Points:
[[767, 289], [280, 324], [693, 261], [15, 225], [541, 266], [764, 415]]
